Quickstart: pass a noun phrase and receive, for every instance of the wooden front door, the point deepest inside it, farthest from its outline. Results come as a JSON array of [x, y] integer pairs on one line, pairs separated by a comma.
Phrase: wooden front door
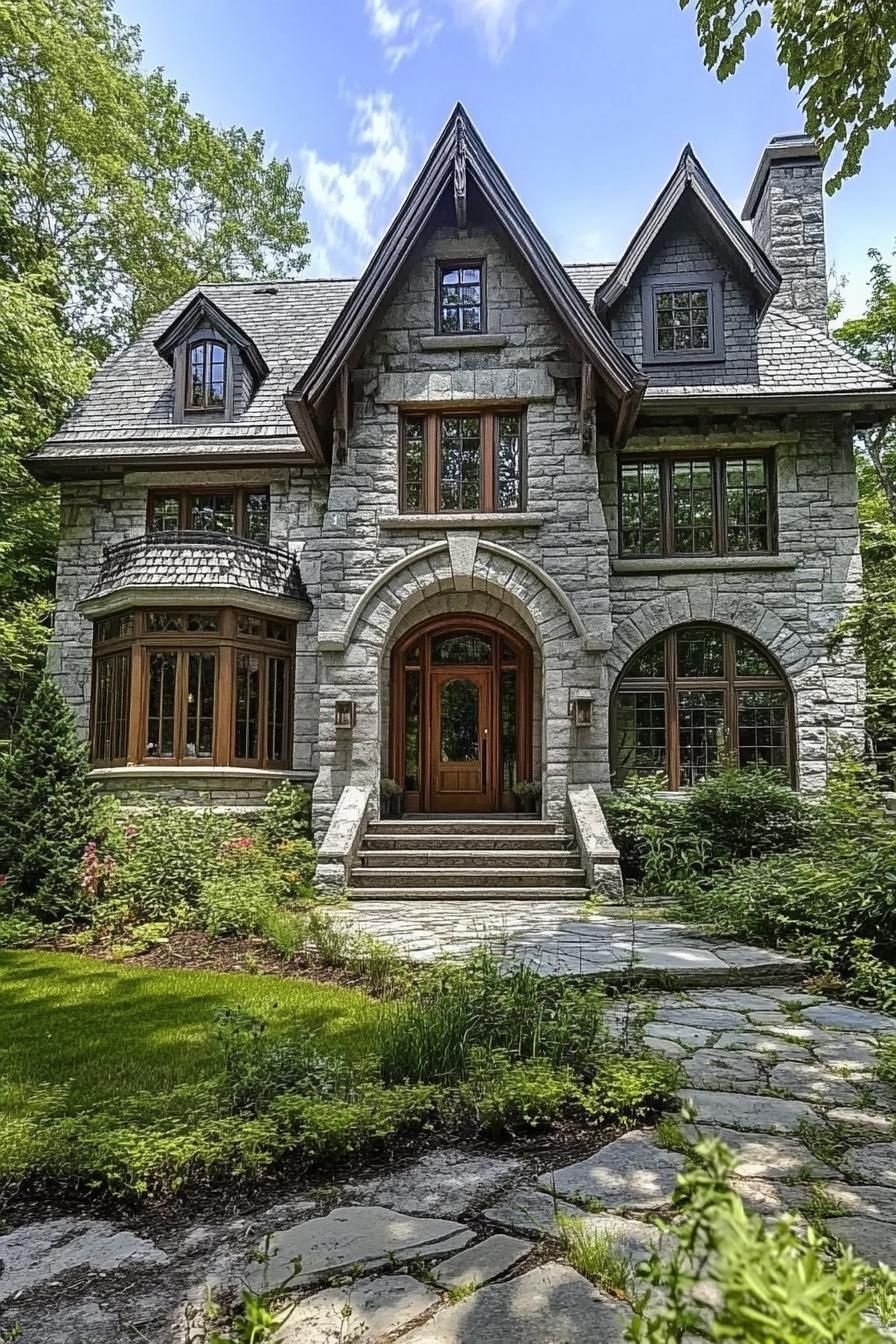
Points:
[[461, 715], [461, 742]]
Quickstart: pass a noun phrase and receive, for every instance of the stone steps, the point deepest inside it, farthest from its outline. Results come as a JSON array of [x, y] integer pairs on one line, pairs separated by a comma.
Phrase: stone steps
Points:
[[467, 858], [441, 894], [428, 857]]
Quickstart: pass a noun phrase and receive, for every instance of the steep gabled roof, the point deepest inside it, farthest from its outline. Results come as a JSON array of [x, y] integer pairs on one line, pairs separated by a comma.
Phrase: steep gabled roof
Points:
[[459, 154], [201, 309], [690, 182]]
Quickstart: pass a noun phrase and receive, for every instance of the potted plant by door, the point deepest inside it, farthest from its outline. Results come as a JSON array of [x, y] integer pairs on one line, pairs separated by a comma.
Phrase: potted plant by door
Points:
[[527, 793], [390, 797]]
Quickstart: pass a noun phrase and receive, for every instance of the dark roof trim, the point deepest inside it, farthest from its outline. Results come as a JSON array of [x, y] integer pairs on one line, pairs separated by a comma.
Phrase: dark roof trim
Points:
[[202, 308], [690, 177], [872, 404], [80, 466], [621, 381]]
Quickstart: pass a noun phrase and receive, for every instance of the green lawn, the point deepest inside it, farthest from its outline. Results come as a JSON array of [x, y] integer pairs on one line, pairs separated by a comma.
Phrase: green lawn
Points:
[[97, 1032]]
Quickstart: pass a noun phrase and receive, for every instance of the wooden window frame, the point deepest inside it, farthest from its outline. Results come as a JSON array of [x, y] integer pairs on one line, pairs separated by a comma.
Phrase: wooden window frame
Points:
[[488, 461], [225, 643], [730, 683], [471, 263], [717, 461], [186, 494], [651, 286], [218, 408]]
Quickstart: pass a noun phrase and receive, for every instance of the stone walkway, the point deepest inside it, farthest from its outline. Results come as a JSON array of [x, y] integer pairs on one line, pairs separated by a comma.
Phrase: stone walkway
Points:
[[563, 938], [460, 1247]]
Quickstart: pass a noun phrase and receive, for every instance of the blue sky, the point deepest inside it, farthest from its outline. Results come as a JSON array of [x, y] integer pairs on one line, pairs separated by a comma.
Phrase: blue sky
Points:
[[585, 103]]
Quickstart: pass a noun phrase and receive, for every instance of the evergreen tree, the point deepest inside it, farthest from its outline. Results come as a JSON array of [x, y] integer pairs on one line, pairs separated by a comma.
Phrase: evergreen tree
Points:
[[46, 808]]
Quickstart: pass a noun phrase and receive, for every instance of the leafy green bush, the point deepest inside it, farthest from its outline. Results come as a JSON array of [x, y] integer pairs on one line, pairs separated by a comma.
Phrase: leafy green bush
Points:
[[296, 861], [260, 1065], [732, 814], [20, 930], [47, 811], [834, 898], [727, 1275], [235, 904], [286, 814], [629, 1088], [169, 853], [504, 1096]]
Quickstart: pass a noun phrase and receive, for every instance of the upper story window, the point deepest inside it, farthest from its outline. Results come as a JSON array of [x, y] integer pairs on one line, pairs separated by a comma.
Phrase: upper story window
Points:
[[207, 376], [243, 512], [716, 505], [682, 318], [461, 298], [461, 463]]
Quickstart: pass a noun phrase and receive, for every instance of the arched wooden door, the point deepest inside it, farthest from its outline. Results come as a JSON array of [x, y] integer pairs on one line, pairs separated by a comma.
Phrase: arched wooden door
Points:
[[461, 715]]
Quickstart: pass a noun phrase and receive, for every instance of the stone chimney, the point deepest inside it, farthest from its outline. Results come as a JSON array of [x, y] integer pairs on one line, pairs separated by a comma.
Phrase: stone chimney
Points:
[[785, 208]]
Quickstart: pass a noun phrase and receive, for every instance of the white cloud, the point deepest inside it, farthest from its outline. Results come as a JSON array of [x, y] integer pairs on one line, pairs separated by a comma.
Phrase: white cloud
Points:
[[495, 21], [402, 26], [345, 202]]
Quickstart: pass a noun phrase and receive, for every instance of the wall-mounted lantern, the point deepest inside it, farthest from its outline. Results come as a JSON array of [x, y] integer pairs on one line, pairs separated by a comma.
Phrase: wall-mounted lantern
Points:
[[344, 714], [581, 710]]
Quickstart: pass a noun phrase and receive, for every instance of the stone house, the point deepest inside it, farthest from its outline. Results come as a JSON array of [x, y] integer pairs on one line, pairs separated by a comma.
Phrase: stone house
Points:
[[477, 518]]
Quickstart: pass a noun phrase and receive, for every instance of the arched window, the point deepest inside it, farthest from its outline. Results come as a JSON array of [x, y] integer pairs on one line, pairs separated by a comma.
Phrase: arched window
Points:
[[184, 687], [692, 697], [207, 376]]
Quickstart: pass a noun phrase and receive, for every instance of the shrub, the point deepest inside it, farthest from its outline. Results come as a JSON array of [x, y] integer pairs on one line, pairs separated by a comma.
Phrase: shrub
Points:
[[725, 1274], [744, 813], [168, 855], [503, 1096], [286, 930], [632, 812], [19, 930], [46, 806], [235, 905], [286, 814], [296, 861], [630, 1088], [259, 1065]]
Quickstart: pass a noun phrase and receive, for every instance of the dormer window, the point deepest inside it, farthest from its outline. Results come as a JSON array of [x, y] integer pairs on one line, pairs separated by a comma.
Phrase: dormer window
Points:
[[207, 374], [461, 298], [682, 318]]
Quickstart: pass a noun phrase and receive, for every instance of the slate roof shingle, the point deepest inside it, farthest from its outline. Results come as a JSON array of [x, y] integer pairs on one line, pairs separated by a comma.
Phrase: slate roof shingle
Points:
[[129, 401]]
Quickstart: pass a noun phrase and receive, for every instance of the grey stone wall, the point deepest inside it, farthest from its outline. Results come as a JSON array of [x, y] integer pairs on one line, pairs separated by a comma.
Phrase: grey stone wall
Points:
[[680, 251]]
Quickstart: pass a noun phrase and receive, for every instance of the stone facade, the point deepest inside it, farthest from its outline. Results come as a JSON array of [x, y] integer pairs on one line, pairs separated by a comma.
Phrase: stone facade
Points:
[[362, 575]]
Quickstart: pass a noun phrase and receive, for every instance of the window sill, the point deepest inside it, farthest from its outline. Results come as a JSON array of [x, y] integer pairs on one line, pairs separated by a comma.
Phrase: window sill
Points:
[[483, 340], [449, 522], [696, 564], [221, 774]]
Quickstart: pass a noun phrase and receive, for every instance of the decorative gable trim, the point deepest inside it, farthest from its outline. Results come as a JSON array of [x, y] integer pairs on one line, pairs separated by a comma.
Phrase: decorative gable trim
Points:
[[459, 155], [690, 178], [202, 311]]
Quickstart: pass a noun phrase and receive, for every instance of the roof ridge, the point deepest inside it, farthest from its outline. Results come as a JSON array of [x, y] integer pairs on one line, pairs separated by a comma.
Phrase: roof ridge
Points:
[[293, 280]]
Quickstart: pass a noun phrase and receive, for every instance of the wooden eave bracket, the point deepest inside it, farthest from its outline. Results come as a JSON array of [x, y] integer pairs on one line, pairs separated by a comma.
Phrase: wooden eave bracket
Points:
[[302, 418], [342, 416], [460, 173], [586, 408]]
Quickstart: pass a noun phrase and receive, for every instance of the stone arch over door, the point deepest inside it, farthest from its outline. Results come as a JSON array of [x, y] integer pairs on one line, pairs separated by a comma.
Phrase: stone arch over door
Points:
[[462, 569]]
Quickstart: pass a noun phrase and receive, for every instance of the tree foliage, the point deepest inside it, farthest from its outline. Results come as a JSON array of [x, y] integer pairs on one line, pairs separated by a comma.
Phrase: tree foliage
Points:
[[109, 172], [838, 55]]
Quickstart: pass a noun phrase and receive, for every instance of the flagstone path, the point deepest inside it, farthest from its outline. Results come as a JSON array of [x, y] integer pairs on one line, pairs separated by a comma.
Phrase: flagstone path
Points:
[[564, 938], [462, 1247]]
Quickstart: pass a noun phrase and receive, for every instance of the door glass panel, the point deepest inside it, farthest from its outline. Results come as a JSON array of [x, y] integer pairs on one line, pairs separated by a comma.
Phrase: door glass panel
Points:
[[459, 721], [701, 733], [276, 709], [762, 729], [700, 652], [200, 704], [245, 708], [640, 734], [462, 649], [412, 731], [508, 729], [160, 708]]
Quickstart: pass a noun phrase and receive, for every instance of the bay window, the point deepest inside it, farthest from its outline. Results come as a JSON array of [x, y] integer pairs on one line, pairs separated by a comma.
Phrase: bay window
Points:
[[180, 686]]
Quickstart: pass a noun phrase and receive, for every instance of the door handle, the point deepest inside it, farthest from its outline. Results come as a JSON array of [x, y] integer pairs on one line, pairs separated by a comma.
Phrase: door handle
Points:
[[484, 762]]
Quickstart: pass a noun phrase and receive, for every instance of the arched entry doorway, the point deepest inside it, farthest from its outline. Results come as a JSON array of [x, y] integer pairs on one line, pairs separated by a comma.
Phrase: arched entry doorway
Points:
[[461, 715]]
